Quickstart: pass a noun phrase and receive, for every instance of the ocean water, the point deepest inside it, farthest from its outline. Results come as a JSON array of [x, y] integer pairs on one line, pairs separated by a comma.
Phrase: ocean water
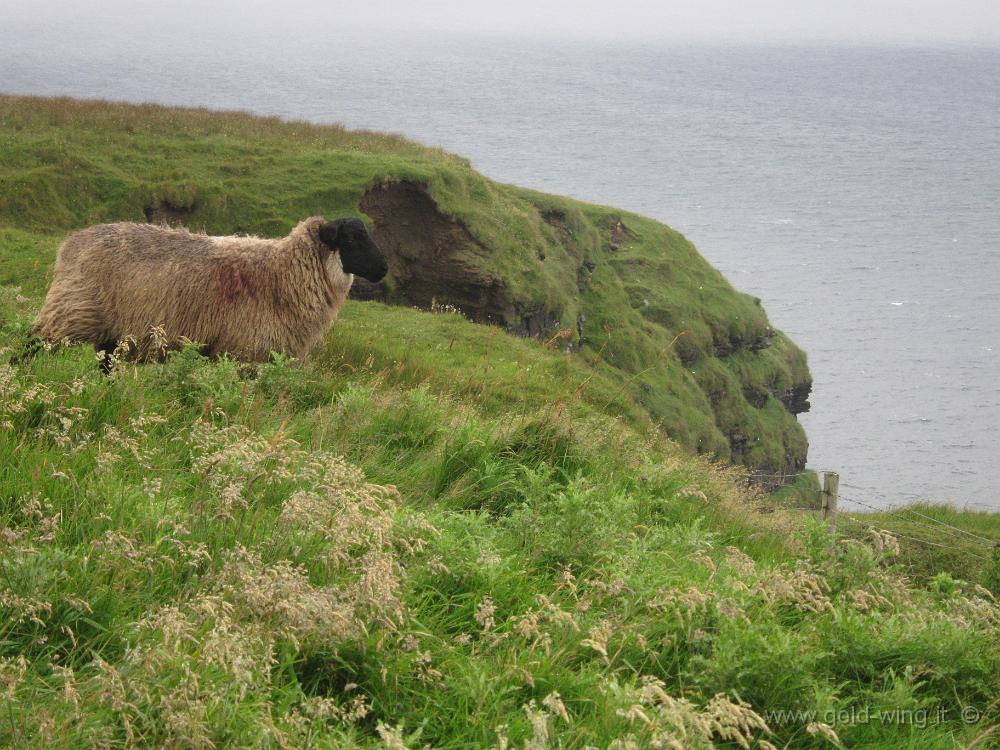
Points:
[[855, 190]]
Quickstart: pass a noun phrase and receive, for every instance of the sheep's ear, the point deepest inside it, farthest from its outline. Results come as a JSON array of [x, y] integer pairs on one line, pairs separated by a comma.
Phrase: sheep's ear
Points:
[[329, 233]]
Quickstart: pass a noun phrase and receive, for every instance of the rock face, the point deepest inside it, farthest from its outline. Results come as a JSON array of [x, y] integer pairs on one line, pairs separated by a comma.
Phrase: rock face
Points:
[[434, 259], [796, 398], [166, 212], [628, 292]]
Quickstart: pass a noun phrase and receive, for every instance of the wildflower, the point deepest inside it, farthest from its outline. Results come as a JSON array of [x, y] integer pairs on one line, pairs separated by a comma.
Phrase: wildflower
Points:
[[488, 559], [734, 721], [729, 608], [12, 673], [555, 706], [503, 743], [566, 580], [824, 730], [884, 543], [740, 562], [426, 671], [392, 737], [800, 588], [485, 613], [539, 719], [598, 636], [152, 486], [70, 694]]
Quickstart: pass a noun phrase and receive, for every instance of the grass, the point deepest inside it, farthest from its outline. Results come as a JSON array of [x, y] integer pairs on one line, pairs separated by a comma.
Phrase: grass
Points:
[[803, 492], [431, 534], [187, 561], [938, 540]]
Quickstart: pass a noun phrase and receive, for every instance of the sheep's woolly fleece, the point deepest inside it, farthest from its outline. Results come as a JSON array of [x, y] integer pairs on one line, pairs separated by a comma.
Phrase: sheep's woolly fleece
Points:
[[239, 295]]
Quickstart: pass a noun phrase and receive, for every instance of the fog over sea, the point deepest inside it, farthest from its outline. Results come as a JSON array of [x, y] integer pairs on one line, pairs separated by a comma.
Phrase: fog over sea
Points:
[[855, 190]]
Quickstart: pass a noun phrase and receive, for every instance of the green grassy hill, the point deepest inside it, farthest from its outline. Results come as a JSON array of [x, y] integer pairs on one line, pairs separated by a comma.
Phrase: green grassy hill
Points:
[[696, 356], [431, 533]]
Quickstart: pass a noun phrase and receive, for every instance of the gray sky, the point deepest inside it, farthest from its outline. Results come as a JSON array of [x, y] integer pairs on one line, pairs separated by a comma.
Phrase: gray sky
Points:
[[726, 21], [896, 21]]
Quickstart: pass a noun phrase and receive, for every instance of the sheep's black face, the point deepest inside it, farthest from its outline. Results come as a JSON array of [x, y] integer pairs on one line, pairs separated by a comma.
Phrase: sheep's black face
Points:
[[358, 252]]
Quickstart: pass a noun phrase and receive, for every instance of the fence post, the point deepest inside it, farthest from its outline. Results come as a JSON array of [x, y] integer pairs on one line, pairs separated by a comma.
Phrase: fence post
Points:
[[831, 484]]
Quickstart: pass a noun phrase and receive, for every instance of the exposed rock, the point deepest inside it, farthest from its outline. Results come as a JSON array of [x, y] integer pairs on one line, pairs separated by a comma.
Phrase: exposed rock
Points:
[[536, 325], [166, 212], [620, 233], [770, 478], [687, 350], [726, 345], [583, 274], [556, 218], [723, 347], [764, 341], [431, 258], [796, 398], [756, 395], [739, 444]]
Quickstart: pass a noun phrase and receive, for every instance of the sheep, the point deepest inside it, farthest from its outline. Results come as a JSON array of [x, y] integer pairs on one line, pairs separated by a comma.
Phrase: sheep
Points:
[[242, 296]]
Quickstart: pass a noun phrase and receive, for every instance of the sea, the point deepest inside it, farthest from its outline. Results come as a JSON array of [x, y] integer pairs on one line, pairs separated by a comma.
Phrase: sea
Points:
[[854, 189]]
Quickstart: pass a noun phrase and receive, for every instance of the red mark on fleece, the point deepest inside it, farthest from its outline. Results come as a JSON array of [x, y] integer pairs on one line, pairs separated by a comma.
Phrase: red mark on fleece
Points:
[[235, 280]]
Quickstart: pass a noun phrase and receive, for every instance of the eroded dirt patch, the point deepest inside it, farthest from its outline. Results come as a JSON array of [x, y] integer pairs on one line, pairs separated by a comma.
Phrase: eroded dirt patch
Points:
[[434, 259], [620, 234], [165, 212]]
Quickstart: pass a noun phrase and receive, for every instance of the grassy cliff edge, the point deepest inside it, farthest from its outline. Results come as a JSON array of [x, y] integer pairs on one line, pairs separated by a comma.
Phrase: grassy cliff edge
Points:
[[631, 295]]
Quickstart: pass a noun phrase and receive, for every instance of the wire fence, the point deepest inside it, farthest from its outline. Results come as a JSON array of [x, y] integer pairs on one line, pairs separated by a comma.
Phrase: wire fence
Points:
[[928, 542], [792, 475], [905, 496], [914, 524]]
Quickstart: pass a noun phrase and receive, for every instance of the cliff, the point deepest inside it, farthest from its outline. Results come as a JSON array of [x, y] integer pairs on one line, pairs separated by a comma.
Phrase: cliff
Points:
[[626, 295]]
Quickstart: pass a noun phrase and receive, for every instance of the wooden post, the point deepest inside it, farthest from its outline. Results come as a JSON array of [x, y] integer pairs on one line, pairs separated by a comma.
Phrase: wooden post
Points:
[[831, 484]]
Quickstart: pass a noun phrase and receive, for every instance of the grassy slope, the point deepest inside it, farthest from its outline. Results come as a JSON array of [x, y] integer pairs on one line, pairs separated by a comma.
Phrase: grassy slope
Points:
[[185, 562], [152, 524], [656, 312]]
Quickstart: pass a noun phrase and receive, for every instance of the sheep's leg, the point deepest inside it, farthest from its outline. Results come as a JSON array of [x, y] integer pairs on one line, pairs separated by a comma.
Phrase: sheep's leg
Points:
[[31, 348], [105, 355]]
